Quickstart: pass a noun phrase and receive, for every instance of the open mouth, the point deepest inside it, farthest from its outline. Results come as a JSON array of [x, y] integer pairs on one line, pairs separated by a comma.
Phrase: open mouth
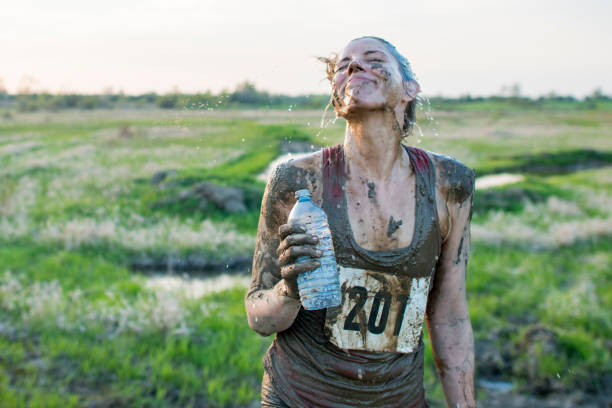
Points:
[[357, 85]]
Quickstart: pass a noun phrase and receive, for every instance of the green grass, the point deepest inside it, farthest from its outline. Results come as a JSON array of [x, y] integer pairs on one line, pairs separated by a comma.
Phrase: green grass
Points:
[[77, 203], [217, 363]]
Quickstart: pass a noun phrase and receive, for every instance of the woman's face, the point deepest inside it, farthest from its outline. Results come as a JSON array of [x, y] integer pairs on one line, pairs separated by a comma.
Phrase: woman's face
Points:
[[367, 78]]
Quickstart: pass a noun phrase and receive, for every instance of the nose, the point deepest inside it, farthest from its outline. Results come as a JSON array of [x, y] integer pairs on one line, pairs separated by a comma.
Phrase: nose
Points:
[[354, 66]]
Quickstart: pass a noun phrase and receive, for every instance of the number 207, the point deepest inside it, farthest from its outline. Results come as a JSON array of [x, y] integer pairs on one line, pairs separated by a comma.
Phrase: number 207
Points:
[[385, 298]]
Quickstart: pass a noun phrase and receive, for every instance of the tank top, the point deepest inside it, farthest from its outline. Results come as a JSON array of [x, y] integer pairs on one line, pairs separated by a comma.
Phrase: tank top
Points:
[[367, 352]]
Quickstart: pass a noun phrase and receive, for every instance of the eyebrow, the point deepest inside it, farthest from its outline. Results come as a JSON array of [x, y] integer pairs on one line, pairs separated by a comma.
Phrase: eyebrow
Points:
[[373, 52]]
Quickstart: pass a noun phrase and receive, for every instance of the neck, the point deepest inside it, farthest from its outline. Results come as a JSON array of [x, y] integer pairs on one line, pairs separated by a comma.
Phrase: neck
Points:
[[372, 144]]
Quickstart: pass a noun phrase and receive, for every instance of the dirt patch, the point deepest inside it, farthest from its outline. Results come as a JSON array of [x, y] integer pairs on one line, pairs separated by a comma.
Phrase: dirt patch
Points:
[[494, 355], [496, 399], [499, 359], [192, 194]]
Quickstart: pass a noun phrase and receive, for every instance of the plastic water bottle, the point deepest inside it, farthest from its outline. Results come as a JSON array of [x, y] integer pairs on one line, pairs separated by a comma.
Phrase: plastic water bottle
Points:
[[319, 288]]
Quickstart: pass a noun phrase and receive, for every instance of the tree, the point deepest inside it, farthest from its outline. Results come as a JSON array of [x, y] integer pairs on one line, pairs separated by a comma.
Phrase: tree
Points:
[[247, 94], [515, 90], [598, 95]]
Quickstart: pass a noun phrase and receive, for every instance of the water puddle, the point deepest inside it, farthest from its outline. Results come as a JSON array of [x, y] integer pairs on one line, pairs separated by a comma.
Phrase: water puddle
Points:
[[498, 386], [497, 180], [195, 288]]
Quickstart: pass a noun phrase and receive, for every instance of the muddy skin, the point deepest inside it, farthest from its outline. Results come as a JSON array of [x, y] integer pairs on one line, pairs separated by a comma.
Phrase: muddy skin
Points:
[[456, 179], [271, 302], [396, 127], [371, 190], [279, 198], [466, 380], [452, 339], [393, 226], [385, 74], [395, 260], [336, 101], [458, 258]]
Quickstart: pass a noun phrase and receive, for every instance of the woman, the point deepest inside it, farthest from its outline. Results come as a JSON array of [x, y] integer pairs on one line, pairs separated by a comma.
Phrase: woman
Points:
[[400, 219]]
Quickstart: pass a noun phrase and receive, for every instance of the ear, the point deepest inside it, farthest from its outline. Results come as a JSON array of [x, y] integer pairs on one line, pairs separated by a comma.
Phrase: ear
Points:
[[412, 88]]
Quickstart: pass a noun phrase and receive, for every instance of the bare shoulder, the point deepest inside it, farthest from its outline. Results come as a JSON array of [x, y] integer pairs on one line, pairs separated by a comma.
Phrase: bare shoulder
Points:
[[293, 175], [454, 179]]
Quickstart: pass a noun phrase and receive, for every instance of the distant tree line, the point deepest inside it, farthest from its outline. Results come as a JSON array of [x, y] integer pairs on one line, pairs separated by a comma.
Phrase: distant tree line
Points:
[[245, 95]]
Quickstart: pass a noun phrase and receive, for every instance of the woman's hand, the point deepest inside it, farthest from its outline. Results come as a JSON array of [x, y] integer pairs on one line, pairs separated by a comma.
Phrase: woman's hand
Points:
[[295, 243]]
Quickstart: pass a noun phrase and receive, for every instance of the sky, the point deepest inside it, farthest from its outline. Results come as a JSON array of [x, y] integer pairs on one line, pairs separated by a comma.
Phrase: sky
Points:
[[456, 47]]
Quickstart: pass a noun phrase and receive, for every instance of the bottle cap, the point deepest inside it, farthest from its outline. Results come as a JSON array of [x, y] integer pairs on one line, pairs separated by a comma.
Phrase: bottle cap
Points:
[[302, 193]]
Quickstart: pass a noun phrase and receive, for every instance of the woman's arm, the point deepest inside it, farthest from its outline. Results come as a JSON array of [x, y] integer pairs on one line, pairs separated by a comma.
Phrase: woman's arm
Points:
[[448, 319], [272, 301]]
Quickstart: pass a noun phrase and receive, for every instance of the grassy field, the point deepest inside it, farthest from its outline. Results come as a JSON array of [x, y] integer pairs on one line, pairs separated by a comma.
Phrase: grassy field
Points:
[[80, 327]]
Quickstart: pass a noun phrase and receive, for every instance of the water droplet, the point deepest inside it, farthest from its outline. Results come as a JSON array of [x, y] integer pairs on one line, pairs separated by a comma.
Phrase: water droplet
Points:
[[418, 128]]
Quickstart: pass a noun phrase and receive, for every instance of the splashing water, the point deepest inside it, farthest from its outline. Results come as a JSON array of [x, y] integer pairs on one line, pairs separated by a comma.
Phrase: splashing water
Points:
[[420, 135], [327, 122]]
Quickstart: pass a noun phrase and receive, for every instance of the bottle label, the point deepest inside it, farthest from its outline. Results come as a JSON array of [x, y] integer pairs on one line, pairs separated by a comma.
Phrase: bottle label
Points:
[[379, 311]]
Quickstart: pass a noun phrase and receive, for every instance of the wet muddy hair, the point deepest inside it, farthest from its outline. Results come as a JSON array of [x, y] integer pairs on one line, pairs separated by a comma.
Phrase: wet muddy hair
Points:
[[405, 71]]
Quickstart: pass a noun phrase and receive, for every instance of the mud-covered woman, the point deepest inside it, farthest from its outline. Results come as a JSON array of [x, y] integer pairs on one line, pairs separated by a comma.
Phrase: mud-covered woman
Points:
[[400, 219]]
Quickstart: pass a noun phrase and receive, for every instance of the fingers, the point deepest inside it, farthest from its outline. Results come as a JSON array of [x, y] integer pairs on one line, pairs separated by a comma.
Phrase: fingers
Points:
[[292, 253], [288, 229], [297, 240], [290, 272], [296, 243]]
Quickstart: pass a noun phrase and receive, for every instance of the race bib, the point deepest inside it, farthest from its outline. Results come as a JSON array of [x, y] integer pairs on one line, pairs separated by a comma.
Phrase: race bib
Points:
[[379, 311]]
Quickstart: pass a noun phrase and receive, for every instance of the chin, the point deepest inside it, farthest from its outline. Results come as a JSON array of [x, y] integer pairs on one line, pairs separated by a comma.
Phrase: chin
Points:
[[358, 107]]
